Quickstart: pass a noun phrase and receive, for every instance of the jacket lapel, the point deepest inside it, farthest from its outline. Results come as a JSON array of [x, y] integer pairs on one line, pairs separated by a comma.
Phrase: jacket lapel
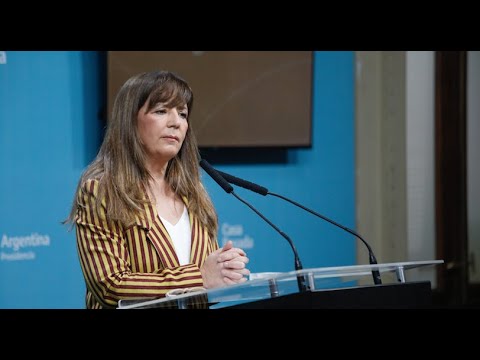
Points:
[[159, 236], [200, 247]]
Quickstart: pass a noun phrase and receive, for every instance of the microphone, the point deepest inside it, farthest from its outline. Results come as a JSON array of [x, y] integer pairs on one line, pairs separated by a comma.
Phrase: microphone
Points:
[[264, 191], [215, 175]]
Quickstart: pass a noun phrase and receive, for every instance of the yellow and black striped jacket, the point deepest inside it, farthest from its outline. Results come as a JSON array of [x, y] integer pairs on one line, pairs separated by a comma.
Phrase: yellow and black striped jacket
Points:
[[138, 262]]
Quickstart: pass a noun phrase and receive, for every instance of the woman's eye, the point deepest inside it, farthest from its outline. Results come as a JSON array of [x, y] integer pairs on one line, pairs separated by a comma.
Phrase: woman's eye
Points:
[[184, 115], [161, 111]]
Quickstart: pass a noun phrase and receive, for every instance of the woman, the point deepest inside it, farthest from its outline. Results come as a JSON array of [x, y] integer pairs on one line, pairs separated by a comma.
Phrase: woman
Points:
[[144, 222]]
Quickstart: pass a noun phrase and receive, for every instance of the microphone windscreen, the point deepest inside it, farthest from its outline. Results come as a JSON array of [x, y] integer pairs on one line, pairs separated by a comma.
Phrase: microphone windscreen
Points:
[[244, 183], [216, 176]]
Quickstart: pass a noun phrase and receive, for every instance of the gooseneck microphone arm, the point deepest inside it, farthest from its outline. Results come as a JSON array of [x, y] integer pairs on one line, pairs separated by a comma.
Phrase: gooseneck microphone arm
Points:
[[371, 257], [329, 220], [264, 191], [215, 175], [298, 263]]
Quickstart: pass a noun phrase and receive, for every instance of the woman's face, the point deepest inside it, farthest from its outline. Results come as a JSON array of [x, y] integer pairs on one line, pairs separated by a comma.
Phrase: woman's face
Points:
[[162, 130]]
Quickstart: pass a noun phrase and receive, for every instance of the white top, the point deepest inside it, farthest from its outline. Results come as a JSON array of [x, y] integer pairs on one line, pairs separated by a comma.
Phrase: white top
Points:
[[181, 235]]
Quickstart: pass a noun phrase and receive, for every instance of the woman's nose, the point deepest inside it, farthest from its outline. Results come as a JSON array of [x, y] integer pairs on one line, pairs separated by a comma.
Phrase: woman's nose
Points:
[[174, 118]]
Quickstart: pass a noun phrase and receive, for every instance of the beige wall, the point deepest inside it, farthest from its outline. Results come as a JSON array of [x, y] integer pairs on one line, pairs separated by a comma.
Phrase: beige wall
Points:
[[395, 157], [380, 149]]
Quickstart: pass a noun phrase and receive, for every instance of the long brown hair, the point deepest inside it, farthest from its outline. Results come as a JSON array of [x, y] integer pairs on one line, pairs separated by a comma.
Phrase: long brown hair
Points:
[[120, 163]]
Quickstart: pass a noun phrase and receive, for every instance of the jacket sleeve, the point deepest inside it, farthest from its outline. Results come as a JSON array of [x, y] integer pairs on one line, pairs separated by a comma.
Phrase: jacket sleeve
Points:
[[105, 259]]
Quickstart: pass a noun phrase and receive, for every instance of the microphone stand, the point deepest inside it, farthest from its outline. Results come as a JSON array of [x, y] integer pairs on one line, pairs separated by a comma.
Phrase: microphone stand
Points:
[[371, 257], [264, 191], [302, 284]]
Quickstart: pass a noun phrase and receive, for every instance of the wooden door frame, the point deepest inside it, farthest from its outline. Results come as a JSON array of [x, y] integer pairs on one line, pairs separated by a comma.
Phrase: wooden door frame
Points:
[[451, 178]]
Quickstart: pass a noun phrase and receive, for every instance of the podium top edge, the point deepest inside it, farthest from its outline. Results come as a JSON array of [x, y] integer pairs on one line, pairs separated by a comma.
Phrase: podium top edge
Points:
[[322, 272]]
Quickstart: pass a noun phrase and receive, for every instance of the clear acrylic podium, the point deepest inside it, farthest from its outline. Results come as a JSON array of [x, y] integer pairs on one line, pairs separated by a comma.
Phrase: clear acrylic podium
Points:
[[328, 288]]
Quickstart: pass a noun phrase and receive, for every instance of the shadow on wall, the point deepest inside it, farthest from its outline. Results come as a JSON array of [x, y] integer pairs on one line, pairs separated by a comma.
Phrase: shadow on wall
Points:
[[241, 155]]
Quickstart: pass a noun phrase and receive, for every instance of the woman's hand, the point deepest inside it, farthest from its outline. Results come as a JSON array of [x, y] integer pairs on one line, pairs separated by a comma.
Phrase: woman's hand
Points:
[[233, 262], [225, 266]]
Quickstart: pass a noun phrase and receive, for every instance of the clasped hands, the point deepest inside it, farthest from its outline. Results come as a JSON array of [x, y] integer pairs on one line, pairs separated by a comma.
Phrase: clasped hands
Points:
[[225, 266]]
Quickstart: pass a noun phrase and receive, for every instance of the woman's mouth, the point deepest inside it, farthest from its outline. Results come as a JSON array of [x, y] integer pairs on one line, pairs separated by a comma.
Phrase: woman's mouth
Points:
[[171, 137]]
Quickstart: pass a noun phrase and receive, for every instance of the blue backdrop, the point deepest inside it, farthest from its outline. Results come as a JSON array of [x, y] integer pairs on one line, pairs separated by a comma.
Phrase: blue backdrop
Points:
[[50, 130]]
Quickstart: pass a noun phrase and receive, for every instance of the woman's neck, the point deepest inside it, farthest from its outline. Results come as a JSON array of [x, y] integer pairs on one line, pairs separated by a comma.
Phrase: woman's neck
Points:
[[168, 204], [157, 170]]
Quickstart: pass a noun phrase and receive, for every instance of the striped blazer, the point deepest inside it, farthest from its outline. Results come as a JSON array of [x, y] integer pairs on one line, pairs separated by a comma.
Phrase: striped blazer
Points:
[[138, 262]]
